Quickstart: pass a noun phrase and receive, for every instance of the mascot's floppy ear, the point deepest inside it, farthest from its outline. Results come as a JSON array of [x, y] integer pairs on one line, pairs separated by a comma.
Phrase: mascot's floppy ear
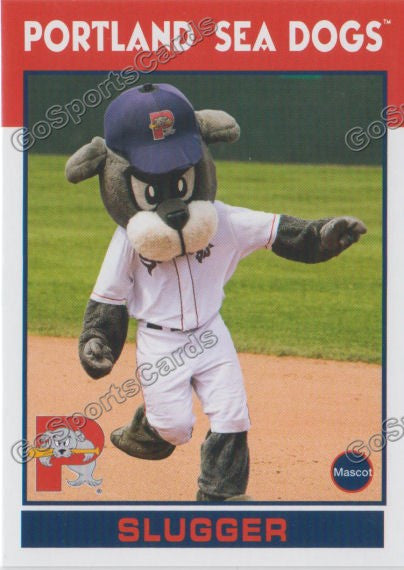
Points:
[[217, 126], [87, 161]]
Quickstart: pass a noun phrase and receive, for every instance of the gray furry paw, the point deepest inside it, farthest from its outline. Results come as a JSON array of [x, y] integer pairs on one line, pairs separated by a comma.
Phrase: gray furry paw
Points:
[[97, 358], [339, 233]]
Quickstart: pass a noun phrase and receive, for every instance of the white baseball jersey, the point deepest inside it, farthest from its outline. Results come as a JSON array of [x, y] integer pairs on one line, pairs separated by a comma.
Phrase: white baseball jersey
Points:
[[186, 292]]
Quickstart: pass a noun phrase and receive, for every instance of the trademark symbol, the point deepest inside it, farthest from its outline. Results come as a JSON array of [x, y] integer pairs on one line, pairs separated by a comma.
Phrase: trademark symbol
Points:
[[386, 21], [99, 491]]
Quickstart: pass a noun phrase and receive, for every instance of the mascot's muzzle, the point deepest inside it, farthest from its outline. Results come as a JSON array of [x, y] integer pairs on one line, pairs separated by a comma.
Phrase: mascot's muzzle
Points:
[[174, 212]]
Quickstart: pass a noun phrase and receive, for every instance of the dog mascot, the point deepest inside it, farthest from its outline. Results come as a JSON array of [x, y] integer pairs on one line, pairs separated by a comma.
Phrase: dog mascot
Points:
[[173, 251], [63, 442]]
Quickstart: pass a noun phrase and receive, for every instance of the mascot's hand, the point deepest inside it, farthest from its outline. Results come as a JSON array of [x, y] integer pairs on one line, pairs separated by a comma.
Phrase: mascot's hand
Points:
[[339, 233], [97, 358]]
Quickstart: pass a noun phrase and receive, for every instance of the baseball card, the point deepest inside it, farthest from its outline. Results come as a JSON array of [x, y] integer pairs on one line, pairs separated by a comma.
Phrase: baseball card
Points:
[[203, 308]]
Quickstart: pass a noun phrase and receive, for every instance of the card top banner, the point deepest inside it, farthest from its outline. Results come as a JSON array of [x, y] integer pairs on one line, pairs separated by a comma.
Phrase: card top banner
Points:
[[169, 35]]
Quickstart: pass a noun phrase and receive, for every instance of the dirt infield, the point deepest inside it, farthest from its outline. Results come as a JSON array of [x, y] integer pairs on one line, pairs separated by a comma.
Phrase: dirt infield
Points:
[[304, 413]]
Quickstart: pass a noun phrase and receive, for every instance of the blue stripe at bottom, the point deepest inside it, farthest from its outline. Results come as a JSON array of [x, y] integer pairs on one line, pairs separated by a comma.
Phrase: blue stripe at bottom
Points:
[[203, 529]]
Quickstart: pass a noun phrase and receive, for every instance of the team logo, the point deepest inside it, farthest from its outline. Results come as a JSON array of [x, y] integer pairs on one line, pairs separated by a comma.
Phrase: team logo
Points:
[[161, 124], [74, 441], [200, 255], [203, 253], [150, 264]]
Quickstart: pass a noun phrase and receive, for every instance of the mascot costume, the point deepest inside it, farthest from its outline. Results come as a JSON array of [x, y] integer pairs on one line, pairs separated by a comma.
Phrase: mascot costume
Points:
[[173, 251]]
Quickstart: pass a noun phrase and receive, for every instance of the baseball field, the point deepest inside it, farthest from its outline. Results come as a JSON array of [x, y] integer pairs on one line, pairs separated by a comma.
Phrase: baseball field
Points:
[[309, 337]]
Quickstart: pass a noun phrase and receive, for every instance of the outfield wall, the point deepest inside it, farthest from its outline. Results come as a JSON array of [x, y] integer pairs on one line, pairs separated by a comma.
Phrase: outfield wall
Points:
[[283, 118]]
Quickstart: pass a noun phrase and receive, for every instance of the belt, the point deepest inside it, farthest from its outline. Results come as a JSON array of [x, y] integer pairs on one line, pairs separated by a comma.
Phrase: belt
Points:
[[160, 328]]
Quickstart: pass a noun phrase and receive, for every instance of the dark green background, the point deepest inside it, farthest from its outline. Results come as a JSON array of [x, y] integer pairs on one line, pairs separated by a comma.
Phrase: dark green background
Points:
[[283, 117]]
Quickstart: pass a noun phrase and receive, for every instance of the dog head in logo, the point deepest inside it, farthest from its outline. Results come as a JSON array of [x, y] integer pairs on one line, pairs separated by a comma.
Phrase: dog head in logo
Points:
[[62, 441], [157, 176], [162, 124]]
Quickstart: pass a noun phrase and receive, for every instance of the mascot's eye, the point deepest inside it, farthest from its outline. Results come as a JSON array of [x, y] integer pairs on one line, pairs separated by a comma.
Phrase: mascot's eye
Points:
[[182, 186], [185, 185], [66, 442], [150, 194], [57, 443], [146, 195]]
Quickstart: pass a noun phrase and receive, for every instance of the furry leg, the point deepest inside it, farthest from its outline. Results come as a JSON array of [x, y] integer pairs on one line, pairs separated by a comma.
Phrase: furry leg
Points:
[[224, 467]]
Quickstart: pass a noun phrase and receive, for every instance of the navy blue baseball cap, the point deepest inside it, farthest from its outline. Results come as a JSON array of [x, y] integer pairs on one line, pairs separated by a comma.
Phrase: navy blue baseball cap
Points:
[[154, 127]]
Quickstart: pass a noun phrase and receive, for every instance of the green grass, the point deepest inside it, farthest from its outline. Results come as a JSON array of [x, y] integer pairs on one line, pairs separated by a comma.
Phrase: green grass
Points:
[[274, 306]]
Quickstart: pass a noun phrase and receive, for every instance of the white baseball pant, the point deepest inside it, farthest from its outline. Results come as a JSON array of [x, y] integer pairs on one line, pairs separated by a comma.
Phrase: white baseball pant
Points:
[[171, 363]]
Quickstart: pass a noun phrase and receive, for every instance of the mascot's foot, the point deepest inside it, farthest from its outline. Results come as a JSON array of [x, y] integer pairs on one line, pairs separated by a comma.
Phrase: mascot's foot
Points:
[[224, 468], [140, 440]]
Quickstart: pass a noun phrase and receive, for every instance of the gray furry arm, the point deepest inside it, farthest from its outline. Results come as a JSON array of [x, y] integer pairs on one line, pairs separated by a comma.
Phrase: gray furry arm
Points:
[[104, 333], [313, 241]]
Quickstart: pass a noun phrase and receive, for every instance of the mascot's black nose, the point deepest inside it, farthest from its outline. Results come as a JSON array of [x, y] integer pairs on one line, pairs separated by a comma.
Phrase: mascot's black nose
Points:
[[61, 451], [174, 213], [177, 219]]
